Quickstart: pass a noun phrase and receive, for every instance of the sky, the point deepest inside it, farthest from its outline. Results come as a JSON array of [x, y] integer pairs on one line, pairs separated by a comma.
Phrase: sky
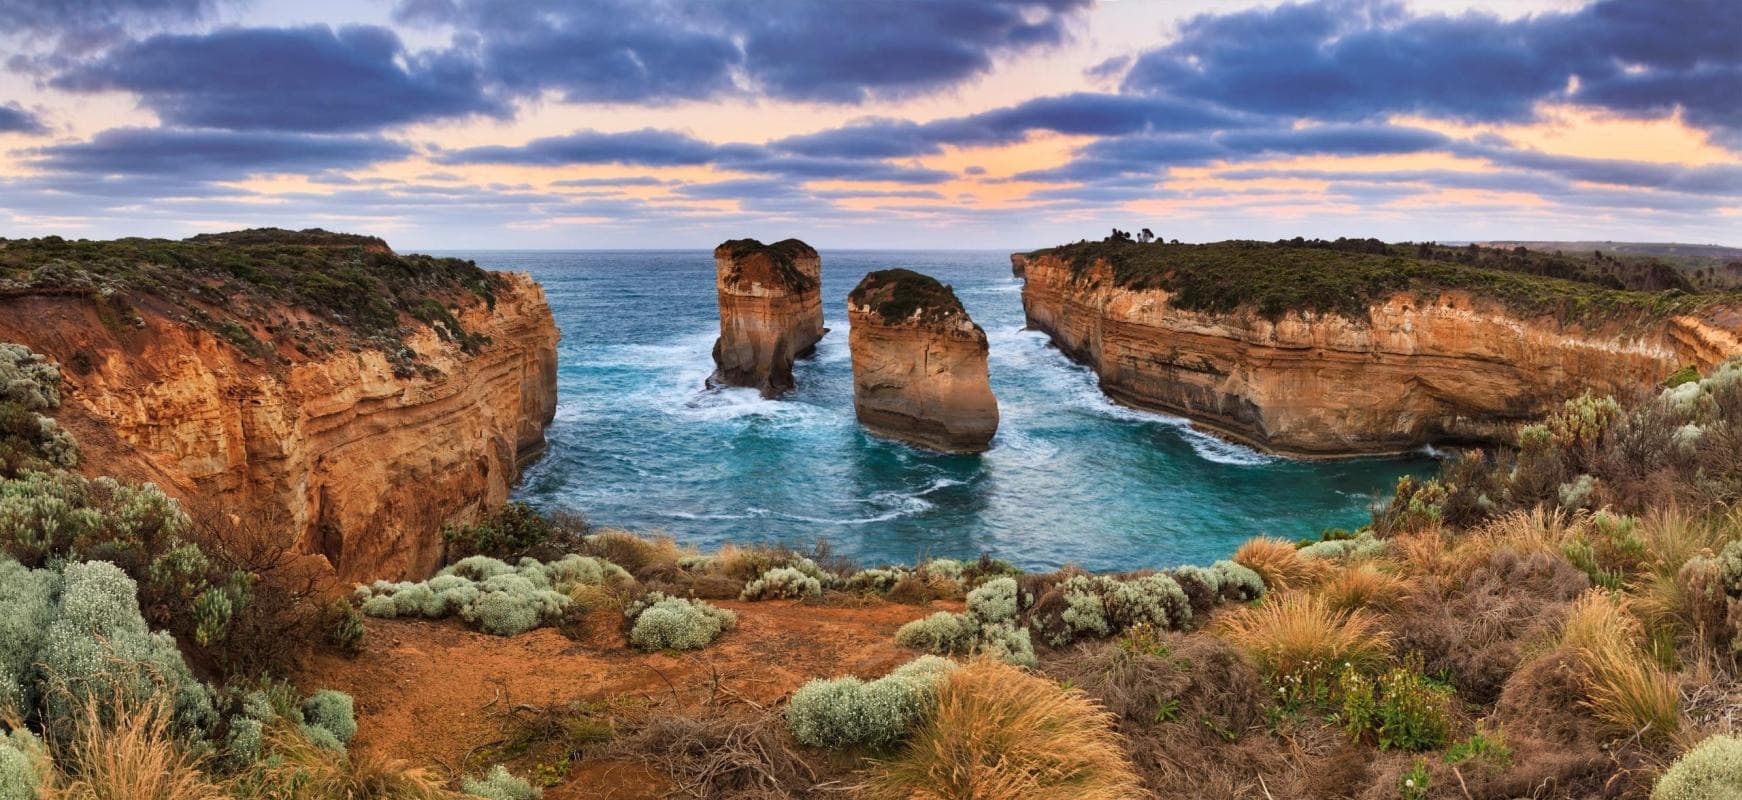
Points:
[[505, 124]]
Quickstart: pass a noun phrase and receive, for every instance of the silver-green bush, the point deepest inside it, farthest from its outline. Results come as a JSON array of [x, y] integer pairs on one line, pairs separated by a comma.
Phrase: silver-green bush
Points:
[[332, 711], [500, 599], [24, 765], [97, 647], [500, 784], [994, 601], [27, 603], [838, 712], [942, 633], [782, 583], [1712, 770], [1237, 582], [676, 623], [1362, 546]]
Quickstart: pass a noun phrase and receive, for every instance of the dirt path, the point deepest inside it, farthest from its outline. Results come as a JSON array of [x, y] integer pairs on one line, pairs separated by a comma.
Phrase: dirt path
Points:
[[431, 693]]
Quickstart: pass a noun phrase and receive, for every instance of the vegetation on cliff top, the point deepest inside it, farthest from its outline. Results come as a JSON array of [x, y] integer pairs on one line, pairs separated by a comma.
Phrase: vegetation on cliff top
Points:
[[314, 291], [1347, 275], [782, 256], [896, 294]]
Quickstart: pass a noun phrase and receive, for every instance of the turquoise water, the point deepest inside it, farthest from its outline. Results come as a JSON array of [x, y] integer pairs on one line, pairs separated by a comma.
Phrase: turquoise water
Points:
[[639, 443]]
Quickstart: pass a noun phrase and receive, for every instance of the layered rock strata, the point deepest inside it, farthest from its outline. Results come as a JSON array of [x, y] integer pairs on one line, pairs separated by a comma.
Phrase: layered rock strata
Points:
[[1418, 368], [359, 466], [919, 364], [771, 312]]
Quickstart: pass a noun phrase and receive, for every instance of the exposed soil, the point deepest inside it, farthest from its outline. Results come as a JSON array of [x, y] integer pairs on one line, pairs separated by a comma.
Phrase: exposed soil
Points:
[[433, 693]]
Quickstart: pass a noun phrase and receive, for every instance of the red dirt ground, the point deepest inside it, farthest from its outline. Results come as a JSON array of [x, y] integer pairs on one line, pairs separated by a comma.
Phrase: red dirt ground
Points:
[[431, 693]]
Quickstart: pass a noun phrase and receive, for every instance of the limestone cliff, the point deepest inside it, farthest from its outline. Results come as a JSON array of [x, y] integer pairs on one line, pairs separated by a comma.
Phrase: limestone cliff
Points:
[[771, 312], [919, 364], [1018, 264], [1417, 367], [356, 455]]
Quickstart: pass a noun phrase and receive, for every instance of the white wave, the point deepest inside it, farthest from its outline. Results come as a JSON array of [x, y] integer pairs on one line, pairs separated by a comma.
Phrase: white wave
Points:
[[1031, 351]]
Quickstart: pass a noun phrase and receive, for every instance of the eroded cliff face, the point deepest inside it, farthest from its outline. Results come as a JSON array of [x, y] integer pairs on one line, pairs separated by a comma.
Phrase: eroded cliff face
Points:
[[771, 312], [1440, 368], [919, 367], [361, 467]]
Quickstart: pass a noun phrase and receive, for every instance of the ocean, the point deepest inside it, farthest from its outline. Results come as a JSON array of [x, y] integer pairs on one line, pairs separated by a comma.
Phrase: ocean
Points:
[[639, 443]]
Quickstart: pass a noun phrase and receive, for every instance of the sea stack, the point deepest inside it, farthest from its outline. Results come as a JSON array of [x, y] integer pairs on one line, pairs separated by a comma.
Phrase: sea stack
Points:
[[919, 364], [771, 312]]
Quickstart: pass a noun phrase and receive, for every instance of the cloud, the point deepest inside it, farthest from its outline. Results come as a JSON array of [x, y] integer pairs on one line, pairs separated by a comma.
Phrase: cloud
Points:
[[667, 50], [647, 147], [660, 148], [14, 119], [635, 181], [211, 155], [1366, 59], [1082, 113], [311, 79], [86, 23], [1151, 154]]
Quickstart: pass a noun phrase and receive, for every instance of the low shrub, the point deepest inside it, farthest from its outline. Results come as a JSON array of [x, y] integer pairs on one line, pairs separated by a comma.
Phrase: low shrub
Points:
[[332, 712], [997, 731], [499, 784], [840, 712], [942, 633], [674, 623], [782, 583], [988, 626], [1484, 747], [1400, 708], [97, 647], [500, 599], [515, 530], [25, 766], [1712, 770], [1085, 606]]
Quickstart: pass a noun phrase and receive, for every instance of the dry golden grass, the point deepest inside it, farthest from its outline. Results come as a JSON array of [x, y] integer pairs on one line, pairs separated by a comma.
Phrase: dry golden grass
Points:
[[1362, 586], [634, 552], [132, 757], [1301, 634], [302, 770], [1522, 532], [1623, 685], [1278, 563], [998, 733], [1673, 536]]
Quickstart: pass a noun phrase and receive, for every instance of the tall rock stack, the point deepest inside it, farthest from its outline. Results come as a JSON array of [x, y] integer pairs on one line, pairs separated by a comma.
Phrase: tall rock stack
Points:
[[771, 312], [919, 364]]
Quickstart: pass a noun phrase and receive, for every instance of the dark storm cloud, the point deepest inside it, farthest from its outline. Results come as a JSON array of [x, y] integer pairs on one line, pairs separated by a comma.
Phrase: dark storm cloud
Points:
[[1152, 154], [1363, 59], [14, 119], [96, 18], [664, 50], [1081, 113], [658, 148], [211, 155], [312, 79], [647, 148]]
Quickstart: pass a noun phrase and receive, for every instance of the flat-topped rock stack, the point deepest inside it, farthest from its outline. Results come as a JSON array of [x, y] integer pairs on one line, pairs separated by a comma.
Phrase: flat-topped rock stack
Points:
[[771, 312], [919, 364]]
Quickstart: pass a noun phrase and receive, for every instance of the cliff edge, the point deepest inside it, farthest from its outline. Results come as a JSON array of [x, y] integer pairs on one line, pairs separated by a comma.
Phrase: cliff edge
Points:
[[919, 364], [1317, 351], [771, 312], [327, 390]]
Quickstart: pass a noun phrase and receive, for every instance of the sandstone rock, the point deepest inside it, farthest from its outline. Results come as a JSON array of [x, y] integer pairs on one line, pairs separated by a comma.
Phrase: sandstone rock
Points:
[[919, 364], [1018, 264], [363, 467], [1445, 367], [771, 312]]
